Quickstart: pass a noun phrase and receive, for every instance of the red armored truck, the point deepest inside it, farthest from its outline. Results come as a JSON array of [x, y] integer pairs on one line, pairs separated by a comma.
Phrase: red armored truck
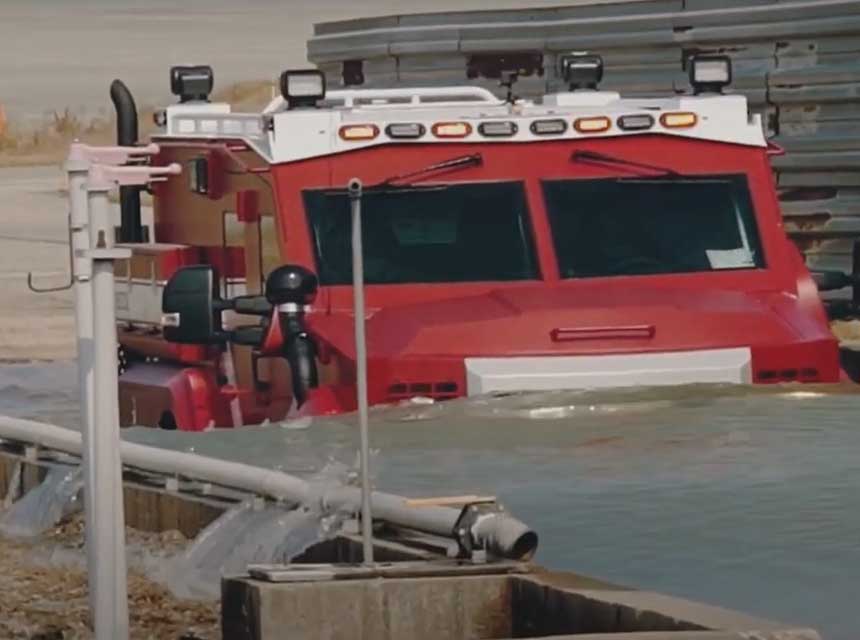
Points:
[[582, 240]]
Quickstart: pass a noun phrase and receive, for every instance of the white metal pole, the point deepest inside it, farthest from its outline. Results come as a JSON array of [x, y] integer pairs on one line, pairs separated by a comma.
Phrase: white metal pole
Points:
[[77, 167], [106, 540], [355, 188]]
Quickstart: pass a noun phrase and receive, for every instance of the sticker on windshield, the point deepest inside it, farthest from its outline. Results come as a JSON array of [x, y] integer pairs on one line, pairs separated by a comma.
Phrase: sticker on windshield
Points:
[[730, 258]]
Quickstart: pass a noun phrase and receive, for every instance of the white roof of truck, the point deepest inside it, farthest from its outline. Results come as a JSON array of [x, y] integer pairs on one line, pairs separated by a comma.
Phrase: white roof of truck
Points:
[[282, 135]]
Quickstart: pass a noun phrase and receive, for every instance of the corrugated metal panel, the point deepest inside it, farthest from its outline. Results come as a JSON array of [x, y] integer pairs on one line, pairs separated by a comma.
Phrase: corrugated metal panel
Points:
[[797, 61]]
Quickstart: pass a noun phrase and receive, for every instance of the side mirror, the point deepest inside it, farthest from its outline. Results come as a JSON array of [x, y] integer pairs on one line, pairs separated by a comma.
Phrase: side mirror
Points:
[[191, 307]]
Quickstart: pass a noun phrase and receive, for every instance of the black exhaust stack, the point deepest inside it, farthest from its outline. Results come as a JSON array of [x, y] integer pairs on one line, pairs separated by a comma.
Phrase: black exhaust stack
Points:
[[131, 229]]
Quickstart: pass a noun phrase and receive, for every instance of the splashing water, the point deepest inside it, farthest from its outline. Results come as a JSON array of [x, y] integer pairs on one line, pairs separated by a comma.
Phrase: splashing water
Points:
[[14, 487], [254, 534], [58, 497], [245, 535]]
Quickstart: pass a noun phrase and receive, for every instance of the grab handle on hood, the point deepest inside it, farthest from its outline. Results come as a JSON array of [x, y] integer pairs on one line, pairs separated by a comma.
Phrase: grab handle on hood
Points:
[[631, 332]]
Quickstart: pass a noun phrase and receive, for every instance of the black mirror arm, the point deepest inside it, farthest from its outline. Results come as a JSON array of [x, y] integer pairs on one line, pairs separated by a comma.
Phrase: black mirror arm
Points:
[[834, 280], [251, 305]]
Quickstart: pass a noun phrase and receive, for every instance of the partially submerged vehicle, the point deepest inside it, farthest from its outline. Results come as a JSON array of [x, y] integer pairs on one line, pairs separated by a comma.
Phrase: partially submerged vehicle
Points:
[[582, 240]]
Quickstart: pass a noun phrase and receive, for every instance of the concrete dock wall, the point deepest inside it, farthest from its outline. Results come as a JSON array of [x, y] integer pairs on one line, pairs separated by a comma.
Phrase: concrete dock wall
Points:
[[477, 607]]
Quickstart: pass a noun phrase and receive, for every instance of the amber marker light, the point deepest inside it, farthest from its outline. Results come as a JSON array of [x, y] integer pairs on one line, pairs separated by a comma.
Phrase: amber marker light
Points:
[[597, 124], [451, 129], [679, 120], [356, 132]]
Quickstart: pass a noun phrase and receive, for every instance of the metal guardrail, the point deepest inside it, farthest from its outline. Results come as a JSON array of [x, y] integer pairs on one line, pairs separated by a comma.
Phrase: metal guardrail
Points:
[[797, 62]]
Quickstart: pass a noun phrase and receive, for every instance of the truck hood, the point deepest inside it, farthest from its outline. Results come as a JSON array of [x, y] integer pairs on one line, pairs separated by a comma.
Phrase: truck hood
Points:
[[563, 320]]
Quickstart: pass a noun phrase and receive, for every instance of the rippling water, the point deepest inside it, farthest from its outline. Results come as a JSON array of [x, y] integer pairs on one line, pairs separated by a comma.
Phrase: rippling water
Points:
[[744, 497]]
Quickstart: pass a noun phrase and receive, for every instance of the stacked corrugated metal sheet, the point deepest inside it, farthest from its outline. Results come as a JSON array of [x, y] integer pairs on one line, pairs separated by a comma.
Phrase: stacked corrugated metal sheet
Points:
[[798, 62]]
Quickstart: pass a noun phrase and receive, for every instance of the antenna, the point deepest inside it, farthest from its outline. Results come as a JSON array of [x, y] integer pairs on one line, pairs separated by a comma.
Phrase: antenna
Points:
[[354, 190]]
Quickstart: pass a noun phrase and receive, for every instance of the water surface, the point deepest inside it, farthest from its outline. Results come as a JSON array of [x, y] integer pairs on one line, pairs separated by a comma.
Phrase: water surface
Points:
[[742, 497]]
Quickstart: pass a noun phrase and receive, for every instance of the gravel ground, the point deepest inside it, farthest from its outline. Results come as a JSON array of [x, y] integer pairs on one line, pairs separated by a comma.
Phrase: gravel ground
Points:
[[43, 584]]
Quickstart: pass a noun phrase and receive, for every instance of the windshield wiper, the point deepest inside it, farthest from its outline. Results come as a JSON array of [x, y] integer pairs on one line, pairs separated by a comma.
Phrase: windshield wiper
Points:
[[595, 157], [460, 162]]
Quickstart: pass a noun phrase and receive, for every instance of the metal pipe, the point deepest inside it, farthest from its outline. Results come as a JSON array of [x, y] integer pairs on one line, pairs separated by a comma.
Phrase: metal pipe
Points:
[[106, 556], [131, 228], [501, 534], [354, 189]]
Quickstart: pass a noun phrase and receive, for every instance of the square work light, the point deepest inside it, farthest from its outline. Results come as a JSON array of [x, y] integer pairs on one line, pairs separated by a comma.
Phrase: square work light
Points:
[[710, 73], [192, 83], [581, 70], [302, 87]]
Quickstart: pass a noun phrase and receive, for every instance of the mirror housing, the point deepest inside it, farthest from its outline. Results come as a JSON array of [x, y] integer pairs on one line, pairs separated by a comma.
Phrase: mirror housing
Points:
[[191, 307], [291, 284]]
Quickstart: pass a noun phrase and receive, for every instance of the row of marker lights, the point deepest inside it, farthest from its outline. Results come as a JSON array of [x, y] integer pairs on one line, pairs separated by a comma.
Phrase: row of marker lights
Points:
[[506, 128]]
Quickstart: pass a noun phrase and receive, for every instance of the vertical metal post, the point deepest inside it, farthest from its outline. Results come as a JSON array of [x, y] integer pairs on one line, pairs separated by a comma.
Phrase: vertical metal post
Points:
[[77, 167], [106, 539], [355, 188], [93, 171]]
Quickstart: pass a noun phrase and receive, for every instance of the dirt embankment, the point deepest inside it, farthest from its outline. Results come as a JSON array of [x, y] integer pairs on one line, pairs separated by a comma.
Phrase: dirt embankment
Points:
[[44, 592], [47, 143]]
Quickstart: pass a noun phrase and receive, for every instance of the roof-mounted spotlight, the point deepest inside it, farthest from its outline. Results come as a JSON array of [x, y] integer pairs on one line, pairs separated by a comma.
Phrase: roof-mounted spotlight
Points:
[[710, 73], [302, 87], [192, 84], [581, 70]]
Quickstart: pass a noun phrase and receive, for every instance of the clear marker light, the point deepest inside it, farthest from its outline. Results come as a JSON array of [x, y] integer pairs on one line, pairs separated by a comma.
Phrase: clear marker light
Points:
[[500, 129], [405, 130], [552, 127], [636, 122]]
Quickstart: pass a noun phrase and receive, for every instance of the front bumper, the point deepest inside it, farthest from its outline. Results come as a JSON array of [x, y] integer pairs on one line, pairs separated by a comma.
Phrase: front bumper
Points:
[[547, 373]]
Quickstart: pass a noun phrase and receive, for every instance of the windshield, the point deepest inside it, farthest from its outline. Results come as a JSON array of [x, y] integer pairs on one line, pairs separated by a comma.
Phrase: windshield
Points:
[[624, 226], [449, 233]]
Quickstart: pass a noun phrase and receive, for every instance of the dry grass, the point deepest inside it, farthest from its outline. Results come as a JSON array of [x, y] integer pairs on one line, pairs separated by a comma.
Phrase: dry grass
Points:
[[246, 96], [48, 600], [48, 142]]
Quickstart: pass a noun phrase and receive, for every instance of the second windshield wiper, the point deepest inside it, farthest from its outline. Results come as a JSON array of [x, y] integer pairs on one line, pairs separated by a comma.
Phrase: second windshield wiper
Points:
[[595, 157], [460, 162]]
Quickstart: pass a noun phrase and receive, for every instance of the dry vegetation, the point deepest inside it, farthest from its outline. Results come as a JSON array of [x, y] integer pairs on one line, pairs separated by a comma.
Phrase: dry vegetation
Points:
[[47, 600], [48, 142]]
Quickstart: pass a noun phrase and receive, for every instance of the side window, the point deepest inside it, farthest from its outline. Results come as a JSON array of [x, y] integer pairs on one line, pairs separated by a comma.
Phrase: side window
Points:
[[234, 249], [255, 243], [233, 231], [271, 252]]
